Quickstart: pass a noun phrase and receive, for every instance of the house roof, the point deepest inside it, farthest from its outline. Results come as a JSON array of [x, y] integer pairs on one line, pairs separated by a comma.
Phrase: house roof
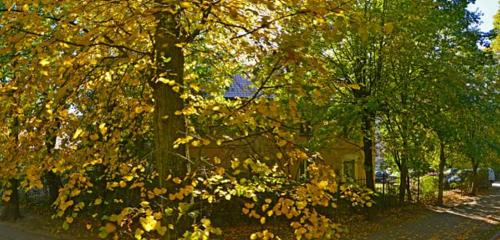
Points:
[[240, 88]]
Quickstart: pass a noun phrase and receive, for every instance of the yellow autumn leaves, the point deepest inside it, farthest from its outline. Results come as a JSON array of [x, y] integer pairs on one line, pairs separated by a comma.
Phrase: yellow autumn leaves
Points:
[[103, 130]]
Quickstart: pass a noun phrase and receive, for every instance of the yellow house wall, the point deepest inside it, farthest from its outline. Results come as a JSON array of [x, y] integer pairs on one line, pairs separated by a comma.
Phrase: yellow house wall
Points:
[[340, 151], [259, 147]]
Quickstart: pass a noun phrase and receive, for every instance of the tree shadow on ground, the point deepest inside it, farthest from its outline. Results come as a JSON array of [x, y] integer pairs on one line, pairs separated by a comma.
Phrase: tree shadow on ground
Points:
[[479, 219]]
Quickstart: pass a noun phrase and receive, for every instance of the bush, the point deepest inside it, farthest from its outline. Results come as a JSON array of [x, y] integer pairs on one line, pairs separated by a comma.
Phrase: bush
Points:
[[429, 187]]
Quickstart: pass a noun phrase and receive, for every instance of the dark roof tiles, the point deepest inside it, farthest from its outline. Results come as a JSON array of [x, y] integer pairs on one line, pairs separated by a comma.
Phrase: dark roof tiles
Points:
[[240, 88]]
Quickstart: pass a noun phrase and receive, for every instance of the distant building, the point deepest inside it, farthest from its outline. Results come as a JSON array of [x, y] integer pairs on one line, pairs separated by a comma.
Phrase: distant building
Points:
[[344, 156]]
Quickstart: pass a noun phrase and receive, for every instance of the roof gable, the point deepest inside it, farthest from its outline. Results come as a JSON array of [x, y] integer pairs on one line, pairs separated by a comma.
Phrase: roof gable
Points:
[[240, 88]]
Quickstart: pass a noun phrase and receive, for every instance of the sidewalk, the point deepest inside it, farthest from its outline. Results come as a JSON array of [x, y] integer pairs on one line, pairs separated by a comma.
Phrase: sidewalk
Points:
[[476, 220]]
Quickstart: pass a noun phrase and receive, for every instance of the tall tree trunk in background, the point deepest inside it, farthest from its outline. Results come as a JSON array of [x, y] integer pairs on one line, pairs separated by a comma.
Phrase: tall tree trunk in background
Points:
[[408, 188], [442, 162], [367, 121], [369, 114], [400, 160], [404, 131], [403, 182], [403, 178], [168, 126], [10, 210], [475, 166]]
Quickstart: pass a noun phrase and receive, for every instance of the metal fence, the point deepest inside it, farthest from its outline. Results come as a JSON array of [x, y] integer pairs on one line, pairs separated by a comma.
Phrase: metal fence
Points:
[[387, 190]]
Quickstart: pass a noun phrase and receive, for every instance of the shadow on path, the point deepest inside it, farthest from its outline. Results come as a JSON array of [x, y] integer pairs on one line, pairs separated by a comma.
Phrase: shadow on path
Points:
[[476, 220]]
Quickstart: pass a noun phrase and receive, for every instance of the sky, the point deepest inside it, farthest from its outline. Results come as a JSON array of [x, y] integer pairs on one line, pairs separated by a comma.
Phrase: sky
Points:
[[489, 9]]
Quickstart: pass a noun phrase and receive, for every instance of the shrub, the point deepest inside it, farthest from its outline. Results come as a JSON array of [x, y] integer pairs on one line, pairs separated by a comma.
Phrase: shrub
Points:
[[429, 187]]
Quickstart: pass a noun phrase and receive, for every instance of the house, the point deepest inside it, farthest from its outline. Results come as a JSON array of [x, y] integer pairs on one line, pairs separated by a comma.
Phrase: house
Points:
[[346, 157]]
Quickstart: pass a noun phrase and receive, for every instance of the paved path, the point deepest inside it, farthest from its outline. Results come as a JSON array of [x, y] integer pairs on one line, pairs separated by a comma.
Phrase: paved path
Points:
[[479, 219]]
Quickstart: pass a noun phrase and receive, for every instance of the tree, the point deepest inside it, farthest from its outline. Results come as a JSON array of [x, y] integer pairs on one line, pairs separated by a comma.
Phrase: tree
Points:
[[425, 86], [349, 71], [101, 76]]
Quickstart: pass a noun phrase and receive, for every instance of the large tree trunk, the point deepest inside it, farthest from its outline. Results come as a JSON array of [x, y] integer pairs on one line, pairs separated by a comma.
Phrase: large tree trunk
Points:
[[442, 162], [368, 118], [54, 182], [10, 210], [168, 126]]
